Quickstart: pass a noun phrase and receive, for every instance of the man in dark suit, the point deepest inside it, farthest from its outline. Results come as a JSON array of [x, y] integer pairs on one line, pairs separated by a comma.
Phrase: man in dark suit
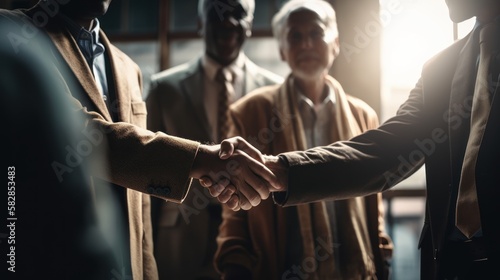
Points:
[[104, 86], [183, 101], [450, 122]]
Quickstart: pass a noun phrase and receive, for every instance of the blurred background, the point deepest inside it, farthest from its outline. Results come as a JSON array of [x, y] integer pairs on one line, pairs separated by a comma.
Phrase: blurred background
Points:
[[384, 44]]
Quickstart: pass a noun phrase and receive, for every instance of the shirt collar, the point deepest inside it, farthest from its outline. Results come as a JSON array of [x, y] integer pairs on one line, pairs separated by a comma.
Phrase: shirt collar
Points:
[[95, 31], [211, 66], [76, 29], [88, 41], [303, 99]]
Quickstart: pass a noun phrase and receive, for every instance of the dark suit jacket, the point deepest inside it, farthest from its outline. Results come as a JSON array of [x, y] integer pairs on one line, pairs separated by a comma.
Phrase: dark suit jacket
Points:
[[185, 234], [427, 128]]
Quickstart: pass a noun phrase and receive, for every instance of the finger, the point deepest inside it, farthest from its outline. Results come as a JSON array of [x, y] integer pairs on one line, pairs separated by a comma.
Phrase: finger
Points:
[[247, 192], [226, 194], [205, 182], [255, 182], [280, 171], [234, 203], [260, 186], [218, 188], [244, 203], [268, 179], [249, 185], [229, 145]]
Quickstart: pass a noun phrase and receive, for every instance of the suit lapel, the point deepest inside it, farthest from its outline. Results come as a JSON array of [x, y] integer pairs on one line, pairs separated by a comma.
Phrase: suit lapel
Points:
[[289, 119], [192, 88], [119, 81], [69, 50], [462, 89]]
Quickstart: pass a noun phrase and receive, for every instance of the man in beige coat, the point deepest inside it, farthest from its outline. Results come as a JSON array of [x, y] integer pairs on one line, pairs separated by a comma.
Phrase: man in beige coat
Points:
[[321, 240], [106, 90]]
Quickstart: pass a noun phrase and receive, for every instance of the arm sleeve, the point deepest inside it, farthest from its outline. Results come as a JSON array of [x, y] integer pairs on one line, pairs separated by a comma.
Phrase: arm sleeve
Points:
[[148, 162], [368, 163]]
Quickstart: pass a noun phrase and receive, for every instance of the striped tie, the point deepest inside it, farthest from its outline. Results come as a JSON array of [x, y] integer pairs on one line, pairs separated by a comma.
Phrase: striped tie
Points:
[[224, 77]]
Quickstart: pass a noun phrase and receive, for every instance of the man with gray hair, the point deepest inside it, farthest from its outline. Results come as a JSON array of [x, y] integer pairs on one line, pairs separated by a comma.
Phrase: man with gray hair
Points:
[[190, 101], [320, 240], [327, 15]]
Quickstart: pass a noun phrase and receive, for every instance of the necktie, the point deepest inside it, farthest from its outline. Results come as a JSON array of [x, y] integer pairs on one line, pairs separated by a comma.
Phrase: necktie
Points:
[[467, 215], [224, 77]]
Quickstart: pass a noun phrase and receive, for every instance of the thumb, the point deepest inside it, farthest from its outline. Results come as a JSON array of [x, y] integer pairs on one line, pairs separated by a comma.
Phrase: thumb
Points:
[[229, 145], [227, 148]]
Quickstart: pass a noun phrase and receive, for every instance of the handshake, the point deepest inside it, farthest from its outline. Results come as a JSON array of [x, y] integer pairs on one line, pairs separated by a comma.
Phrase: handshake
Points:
[[237, 174]]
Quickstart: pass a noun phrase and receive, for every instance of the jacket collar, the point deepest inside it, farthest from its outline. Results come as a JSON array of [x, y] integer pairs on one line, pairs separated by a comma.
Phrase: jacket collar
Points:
[[70, 52], [192, 87]]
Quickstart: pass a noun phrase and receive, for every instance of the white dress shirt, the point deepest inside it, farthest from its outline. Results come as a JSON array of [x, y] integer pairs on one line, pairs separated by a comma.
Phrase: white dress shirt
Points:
[[317, 119], [92, 50]]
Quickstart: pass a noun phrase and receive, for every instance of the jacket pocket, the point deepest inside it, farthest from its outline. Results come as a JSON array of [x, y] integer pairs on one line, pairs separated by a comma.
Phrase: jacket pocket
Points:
[[139, 114]]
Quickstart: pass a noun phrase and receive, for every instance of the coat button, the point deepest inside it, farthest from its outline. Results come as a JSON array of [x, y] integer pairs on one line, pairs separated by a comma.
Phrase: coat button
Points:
[[159, 190]]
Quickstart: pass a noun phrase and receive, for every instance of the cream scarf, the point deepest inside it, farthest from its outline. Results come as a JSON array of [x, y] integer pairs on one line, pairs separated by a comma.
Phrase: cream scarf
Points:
[[314, 222]]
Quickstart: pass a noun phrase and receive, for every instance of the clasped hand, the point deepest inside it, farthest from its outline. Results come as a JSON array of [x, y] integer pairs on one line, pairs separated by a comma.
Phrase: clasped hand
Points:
[[235, 173]]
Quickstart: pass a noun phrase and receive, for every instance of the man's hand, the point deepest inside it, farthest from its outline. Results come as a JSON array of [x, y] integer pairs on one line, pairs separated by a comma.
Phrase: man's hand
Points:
[[235, 145], [279, 168], [239, 179]]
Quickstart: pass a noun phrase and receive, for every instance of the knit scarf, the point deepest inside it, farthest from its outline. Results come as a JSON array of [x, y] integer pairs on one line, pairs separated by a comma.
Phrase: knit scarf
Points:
[[315, 228]]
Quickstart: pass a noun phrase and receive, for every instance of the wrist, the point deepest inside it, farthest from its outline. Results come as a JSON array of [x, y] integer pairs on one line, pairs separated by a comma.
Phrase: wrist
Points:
[[280, 169], [203, 156]]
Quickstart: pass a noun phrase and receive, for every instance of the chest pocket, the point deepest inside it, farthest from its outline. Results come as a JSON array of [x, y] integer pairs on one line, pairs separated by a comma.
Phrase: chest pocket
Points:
[[139, 114]]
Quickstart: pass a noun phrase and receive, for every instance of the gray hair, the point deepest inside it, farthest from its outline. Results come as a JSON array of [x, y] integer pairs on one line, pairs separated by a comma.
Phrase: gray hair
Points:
[[222, 6], [323, 9]]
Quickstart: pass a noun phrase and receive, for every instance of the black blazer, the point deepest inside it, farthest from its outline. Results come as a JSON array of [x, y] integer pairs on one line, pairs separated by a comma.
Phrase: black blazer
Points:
[[430, 127]]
